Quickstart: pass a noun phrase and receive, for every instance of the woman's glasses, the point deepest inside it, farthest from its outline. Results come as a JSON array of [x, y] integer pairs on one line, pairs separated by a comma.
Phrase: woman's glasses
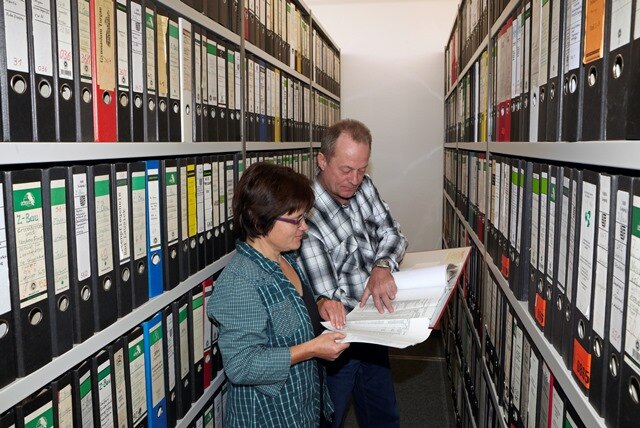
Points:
[[295, 221]]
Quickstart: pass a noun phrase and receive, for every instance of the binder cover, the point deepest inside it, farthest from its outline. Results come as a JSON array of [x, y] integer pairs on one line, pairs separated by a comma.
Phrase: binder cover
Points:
[[154, 371], [184, 220], [223, 113], [138, 203], [138, 69], [154, 230], [162, 70], [196, 353], [84, 73], [573, 73], [121, 215], [197, 82], [208, 211], [62, 392], [192, 215], [123, 66], [201, 244], [151, 82], [134, 360], [169, 356], [175, 103], [116, 352], [554, 98], [183, 365], [82, 395], [8, 369], [186, 79], [170, 215], [101, 385]]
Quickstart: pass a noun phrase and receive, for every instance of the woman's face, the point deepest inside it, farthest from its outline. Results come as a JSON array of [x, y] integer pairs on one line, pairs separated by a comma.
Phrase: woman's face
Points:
[[287, 232]]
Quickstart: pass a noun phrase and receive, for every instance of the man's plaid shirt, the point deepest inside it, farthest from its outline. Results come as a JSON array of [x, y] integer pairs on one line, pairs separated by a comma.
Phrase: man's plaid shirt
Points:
[[344, 241]]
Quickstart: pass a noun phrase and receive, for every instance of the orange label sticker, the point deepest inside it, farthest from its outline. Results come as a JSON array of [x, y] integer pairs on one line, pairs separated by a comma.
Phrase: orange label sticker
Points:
[[541, 310], [581, 364], [593, 30], [505, 267]]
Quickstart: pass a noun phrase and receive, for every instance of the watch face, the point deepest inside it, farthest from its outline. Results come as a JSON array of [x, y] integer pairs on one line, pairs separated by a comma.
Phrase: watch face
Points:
[[384, 263]]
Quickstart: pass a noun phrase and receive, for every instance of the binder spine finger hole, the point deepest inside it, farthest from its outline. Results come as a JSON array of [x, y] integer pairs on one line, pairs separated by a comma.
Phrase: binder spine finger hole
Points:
[[125, 275], [106, 284], [593, 76], [634, 389], [124, 100], [534, 100], [86, 96], [152, 105], [19, 85], [35, 316], [141, 268], [613, 365], [106, 98], [4, 329], [66, 92], [85, 293], [573, 83], [162, 105], [597, 347], [44, 89], [63, 304], [552, 91], [581, 329], [618, 66], [137, 101]]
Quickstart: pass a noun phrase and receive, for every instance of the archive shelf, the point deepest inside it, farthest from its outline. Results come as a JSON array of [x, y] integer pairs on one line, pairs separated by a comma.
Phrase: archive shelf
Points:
[[197, 407], [325, 92]]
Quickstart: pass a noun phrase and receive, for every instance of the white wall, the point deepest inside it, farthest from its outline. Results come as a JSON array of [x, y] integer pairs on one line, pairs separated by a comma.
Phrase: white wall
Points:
[[392, 80]]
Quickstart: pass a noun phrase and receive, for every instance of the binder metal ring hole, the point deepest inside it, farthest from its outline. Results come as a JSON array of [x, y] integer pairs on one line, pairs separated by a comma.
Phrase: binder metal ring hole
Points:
[[534, 100], [187, 109], [613, 365], [209, 235], [106, 97], [35, 316], [107, 283], [152, 105], [552, 91], [567, 314], [176, 108], [124, 100], [565, 86], [192, 243], [155, 259], [126, 274], [86, 96], [597, 347], [573, 83], [526, 102], [162, 105], [634, 389], [618, 66], [19, 85], [185, 247], [137, 101], [198, 111], [541, 95], [66, 92], [559, 303], [63, 304], [593, 76], [213, 113], [174, 253], [141, 268], [540, 286], [85, 293], [581, 329], [548, 294], [44, 89], [4, 329]]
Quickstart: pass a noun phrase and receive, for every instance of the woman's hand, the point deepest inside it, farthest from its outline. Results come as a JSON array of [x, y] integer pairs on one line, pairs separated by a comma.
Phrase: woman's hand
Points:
[[332, 311], [324, 346]]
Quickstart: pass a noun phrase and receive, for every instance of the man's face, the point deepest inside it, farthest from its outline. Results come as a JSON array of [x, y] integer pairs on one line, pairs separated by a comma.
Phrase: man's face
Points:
[[342, 173]]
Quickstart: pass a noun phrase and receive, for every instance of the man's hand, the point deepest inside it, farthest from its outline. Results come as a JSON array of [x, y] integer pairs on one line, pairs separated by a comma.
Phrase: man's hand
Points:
[[382, 287], [332, 311]]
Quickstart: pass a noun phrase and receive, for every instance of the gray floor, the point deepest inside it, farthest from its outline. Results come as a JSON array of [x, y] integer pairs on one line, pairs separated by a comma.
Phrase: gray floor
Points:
[[422, 386]]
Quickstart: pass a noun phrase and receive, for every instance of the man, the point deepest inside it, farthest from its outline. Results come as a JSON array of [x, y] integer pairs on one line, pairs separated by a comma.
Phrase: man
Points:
[[352, 246]]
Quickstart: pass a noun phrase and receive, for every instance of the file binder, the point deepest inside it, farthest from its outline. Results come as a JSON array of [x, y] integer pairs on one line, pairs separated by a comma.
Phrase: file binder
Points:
[[581, 366], [223, 113], [197, 83], [155, 367], [230, 179], [545, 23], [121, 232], [170, 227], [101, 385], [169, 356], [192, 215], [550, 276], [573, 72], [196, 353], [138, 69], [212, 87], [104, 66], [8, 369], [262, 98], [105, 306], [41, 46], [535, 240], [208, 211], [250, 125], [82, 395], [65, 96], [217, 181], [151, 87], [81, 274], [205, 88], [138, 203], [186, 79], [175, 103], [208, 375], [123, 84], [184, 220], [235, 136], [36, 410], [154, 229], [184, 368], [16, 79], [84, 74], [134, 361], [116, 352], [62, 393], [162, 70], [616, 336], [54, 197], [223, 12], [201, 244], [231, 100], [521, 260], [554, 97]]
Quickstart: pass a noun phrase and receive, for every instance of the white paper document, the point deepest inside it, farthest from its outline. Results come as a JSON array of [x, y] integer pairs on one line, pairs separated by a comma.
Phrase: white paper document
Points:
[[425, 282]]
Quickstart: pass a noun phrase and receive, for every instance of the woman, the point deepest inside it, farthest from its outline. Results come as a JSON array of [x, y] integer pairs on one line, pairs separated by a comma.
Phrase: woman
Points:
[[266, 311]]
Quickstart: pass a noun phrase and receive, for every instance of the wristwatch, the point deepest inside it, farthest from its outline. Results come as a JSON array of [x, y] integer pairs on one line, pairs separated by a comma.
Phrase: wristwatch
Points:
[[383, 263]]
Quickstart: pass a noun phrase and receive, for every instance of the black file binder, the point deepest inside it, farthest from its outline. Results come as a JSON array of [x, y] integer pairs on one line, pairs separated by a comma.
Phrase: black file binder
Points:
[[217, 189], [169, 357], [554, 93], [200, 215], [618, 69], [28, 276], [573, 72], [196, 344], [54, 197], [162, 70], [616, 335], [223, 112], [234, 17], [83, 409], [520, 269], [123, 84], [535, 239], [212, 88], [633, 89], [233, 79], [37, 410], [62, 393], [581, 362], [150, 98], [170, 226], [187, 104], [192, 215], [102, 389], [138, 204], [205, 88], [83, 73], [223, 12], [250, 116], [208, 210], [175, 112], [543, 82], [105, 306], [183, 245], [138, 69], [197, 82], [135, 378], [121, 232], [8, 370], [116, 352], [553, 243], [211, 8], [183, 365], [230, 179]]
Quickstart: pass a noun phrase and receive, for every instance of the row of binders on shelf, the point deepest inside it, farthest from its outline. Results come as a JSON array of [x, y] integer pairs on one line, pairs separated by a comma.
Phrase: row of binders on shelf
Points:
[[566, 239], [121, 70], [527, 392], [562, 71], [149, 377]]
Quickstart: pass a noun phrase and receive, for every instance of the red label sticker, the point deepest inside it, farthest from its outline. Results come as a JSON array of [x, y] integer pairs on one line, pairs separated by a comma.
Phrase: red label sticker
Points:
[[581, 364]]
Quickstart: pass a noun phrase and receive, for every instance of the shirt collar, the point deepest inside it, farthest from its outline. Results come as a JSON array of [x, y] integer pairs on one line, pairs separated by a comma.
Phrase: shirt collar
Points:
[[325, 201]]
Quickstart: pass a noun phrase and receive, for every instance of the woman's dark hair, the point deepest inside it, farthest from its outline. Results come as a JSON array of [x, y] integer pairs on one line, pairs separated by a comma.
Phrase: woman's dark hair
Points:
[[266, 192]]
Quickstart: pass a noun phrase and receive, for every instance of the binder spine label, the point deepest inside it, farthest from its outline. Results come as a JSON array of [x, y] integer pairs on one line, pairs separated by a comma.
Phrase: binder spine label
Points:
[[139, 212], [517, 365], [138, 385], [208, 202], [229, 192], [540, 310], [184, 217], [573, 35], [104, 394], [174, 61], [197, 65], [81, 215], [619, 270], [86, 405], [585, 271], [535, 219], [163, 84], [171, 353], [581, 364], [636, 30], [215, 185], [198, 327], [171, 191], [42, 49], [212, 65], [200, 197], [121, 393], [157, 364], [136, 48], [183, 326], [32, 273], [15, 27], [557, 409], [86, 73], [41, 417], [632, 338], [555, 39], [122, 195], [150, 23], [106, 78], [103, 225], [222, 93], [155, 240], [191, 196], [620, 23], [553, 195], [564, 221], [123, 44], [208, 417], [230, 79], [533, 387], [65, 408], [59, 233], [593, 30], [237, 92], [602, 257], [65, 46]]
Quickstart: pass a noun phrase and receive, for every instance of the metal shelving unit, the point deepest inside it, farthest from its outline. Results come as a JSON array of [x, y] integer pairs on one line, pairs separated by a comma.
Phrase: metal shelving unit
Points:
[[197, 407]]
